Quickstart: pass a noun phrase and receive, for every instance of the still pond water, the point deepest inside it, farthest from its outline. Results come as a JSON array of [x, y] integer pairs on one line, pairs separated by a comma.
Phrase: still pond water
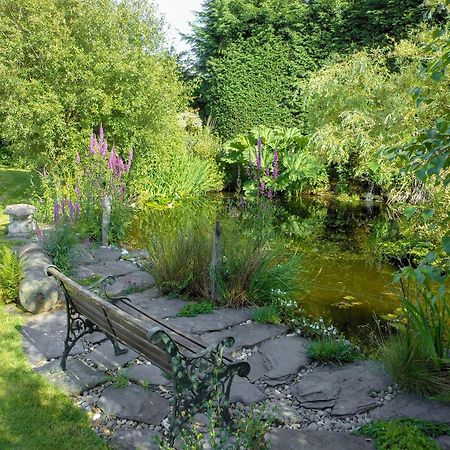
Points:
[[345, 282]]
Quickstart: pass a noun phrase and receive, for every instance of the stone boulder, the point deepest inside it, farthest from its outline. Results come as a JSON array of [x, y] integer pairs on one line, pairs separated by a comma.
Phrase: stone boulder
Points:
[[37, 291]]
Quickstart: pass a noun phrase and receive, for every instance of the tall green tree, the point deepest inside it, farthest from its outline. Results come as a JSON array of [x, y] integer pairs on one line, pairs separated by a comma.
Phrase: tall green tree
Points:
[[261, 48], [69, 65]]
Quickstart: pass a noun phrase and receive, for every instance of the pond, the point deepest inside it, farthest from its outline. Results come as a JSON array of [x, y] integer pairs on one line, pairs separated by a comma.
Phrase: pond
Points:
[[345, 281]]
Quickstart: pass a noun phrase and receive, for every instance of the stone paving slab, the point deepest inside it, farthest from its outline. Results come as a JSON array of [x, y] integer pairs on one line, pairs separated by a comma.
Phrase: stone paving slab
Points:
[[287, 439], [104, 269], [41, 345], [97, 255], [408, 405], [216, 321], [246, 335], [76, 379], [284, 356], [146, 373], [257, 367], [345, 389], [55, 320], [126, 284], [135, 403], [106, 359], [245, 392], [158, 307], [132, 439], [444, 442]]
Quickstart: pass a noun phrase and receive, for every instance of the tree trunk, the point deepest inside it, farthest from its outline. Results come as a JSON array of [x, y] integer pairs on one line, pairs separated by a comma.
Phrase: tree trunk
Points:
[[106, 218], [216, 262]]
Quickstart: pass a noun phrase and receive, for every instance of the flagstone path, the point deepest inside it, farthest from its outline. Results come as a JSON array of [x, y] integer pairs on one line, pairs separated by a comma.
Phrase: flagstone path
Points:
[[128, 398]]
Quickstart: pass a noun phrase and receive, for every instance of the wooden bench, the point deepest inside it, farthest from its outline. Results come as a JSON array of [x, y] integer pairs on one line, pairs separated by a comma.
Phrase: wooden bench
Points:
[[198, 372]]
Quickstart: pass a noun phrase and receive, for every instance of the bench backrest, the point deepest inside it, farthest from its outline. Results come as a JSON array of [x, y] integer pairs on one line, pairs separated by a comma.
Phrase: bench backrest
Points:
[[130, 330]]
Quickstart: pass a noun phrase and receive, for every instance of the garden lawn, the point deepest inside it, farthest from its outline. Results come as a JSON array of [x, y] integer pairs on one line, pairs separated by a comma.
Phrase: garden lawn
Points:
[[35, 415], [14, 188]]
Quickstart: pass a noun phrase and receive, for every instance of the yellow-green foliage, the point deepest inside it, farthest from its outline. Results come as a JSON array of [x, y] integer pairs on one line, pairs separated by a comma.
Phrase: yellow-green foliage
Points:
[[364, 103], [10, 274]]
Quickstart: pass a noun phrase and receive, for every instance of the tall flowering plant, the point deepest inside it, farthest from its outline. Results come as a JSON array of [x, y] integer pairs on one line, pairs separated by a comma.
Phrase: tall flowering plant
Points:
[[101, 183], [263, 175]]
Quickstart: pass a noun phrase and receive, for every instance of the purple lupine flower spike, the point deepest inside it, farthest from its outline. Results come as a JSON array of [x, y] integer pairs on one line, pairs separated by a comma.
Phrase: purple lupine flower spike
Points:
[[262, 187], [77, 190], [63, 209], [101, 135], [267, 171], [275, 165], [77, 209], [56, 212], [259, 154], [270, 194], [112, 160], [104, 148]]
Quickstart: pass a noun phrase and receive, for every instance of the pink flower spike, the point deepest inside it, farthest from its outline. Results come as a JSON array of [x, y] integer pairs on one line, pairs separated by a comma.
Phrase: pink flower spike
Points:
[[112, 160], [104, 148], [77, 158], [92, 144], [101, 134]]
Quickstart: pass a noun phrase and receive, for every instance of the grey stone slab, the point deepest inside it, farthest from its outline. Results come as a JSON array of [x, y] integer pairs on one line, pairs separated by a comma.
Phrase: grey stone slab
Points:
[[246, 335], [444, 442], [104, 269], [245, 392], [127, 284], [344, 388], [132, 439], [96, 255], [135, 403], [106, 359], [55, 320], [77, 378], [408, 405], [40, 345], [284, 356], [146, 373], [216, 321], [287, 439], [257, 367]]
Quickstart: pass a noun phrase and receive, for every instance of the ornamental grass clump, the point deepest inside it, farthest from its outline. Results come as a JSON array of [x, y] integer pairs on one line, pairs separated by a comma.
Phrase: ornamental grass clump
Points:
[[10, 275], [331, 351]]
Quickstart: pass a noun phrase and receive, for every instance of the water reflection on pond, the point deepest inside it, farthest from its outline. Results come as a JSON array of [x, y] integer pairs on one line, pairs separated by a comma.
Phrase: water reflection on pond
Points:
[[344, 281]]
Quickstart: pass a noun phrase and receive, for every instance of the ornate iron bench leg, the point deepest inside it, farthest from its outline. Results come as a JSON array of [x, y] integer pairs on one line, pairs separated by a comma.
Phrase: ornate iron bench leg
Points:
[[198, 379], [118, 350]]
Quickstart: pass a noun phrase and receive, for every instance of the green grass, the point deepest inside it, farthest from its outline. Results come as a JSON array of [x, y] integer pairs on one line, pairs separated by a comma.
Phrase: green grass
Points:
[[15, 186], [404, 434], [35, 415], [194, 309], [267, 314], [329, 351]]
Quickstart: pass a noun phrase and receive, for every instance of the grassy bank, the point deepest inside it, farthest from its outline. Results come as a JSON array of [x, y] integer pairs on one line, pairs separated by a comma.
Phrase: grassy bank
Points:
[[35, 415]]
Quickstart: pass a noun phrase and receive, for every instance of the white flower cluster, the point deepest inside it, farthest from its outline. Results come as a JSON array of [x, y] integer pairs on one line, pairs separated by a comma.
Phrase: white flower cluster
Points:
[[316, 328]]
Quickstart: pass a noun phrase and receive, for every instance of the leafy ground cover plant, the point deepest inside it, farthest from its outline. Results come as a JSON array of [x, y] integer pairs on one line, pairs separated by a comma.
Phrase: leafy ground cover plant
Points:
[[59, 243], [246, 432], [329, 351], [194, 309], [10, 275], [404, 434]]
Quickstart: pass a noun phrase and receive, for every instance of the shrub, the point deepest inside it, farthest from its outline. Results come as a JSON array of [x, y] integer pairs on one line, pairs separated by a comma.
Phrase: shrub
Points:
[[194, 309], [410, 365], [179, 260], [267, 314], [330, 350], [404, 434], [10, 275], [59, 243]]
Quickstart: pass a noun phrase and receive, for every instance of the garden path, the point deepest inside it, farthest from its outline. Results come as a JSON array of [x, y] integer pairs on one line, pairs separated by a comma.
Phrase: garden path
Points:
[[128, 398]]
